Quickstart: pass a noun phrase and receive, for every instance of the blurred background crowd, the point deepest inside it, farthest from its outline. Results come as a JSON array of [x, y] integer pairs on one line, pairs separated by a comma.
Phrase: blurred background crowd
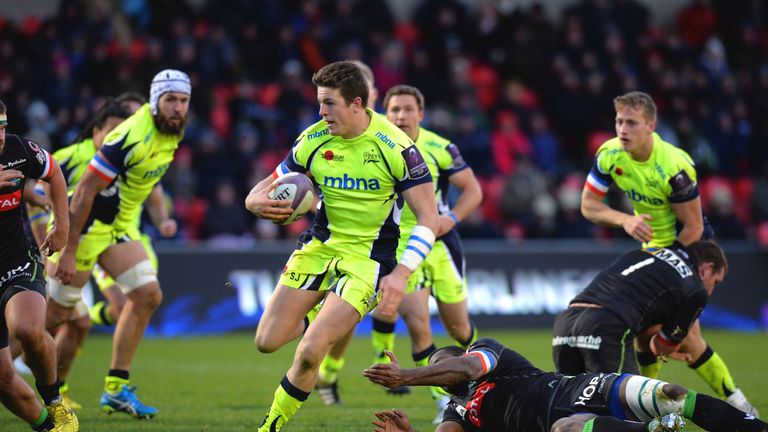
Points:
[[526, 97]]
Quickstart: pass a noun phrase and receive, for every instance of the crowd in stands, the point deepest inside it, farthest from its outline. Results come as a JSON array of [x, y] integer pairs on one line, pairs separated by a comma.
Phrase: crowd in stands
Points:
[[527, 98]]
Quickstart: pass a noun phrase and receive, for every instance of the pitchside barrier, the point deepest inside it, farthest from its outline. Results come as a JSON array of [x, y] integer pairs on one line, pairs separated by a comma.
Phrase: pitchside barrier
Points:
[[510, 285]]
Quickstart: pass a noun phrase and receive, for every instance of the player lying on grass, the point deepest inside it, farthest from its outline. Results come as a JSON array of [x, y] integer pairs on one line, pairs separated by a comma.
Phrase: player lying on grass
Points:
[[497, 389]]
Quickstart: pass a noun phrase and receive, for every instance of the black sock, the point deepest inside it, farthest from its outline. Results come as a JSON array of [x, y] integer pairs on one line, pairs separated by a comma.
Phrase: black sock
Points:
[[717, 415], [424, 354], [119, 373], [646, 358], [50, 392], [612, 424], [383, 326]]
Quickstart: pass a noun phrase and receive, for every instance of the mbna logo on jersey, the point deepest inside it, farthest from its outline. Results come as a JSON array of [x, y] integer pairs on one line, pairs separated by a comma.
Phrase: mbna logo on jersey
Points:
[[637, 196], [352, 183]]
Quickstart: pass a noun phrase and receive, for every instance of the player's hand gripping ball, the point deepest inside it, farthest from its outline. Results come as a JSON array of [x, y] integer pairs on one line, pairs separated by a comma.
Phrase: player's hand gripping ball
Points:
[[296, 188]]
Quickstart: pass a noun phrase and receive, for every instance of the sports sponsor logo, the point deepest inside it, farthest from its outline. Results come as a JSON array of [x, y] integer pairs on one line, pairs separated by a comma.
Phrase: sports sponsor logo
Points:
[[475, 404], [590, 390], [414, 162], [586, 342], [385, 139], [10, 201], [159, 172], [371, 157], [675, 261], [638, 197], [15, 273], [14, 163], [353, 183], [317, 134], [330, 156]]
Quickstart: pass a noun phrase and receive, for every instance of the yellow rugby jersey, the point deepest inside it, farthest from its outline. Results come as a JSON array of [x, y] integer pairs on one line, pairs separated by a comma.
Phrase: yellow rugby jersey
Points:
[[668, 176], [443, 160], [360, 180], [73, 160], [134, 157]]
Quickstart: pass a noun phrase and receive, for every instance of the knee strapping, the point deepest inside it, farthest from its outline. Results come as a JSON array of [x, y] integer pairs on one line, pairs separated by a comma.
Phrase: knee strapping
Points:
[[647, 400], [140, 274], [65, 295]]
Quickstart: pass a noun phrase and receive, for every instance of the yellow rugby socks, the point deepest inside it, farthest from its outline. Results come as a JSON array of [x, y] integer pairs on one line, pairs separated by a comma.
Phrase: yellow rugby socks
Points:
[[712, 369], [288, 399], [382, 339], [329, 369]]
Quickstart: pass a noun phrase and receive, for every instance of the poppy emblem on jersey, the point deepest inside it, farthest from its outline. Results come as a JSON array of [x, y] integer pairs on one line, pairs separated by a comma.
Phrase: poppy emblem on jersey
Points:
[[329, 156], [619, 171]]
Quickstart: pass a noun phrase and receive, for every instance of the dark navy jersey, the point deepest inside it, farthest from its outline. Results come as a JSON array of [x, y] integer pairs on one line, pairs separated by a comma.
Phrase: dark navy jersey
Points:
[[513, 395], [34, 162], [647, 287]]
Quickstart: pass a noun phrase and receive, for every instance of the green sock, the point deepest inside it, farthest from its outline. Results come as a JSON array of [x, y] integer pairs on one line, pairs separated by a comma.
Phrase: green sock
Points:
[[41, 420], [113, 384], [712, 369], [382, 338], [288, 399], [589, 425], [329, 369]]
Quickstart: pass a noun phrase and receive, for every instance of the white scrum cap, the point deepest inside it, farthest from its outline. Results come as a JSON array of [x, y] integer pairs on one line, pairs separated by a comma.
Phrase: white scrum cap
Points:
[[168, 80]]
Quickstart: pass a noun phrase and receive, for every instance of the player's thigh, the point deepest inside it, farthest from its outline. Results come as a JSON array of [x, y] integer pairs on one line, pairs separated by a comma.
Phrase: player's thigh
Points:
[[122, 256], [336, 318], [567, 358], [25, 312], [287, 306]]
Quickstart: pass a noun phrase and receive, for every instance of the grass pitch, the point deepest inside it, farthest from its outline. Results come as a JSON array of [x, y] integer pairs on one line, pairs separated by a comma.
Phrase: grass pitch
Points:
[[221, 383]]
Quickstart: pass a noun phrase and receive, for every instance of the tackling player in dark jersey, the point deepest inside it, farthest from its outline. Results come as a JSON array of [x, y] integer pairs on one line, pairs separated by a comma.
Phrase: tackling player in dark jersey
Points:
[[497, 389], [22, 284], [643, 288]]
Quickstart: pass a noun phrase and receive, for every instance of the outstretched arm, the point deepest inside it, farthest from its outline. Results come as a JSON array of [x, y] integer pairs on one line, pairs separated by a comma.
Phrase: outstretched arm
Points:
[[454, 370]]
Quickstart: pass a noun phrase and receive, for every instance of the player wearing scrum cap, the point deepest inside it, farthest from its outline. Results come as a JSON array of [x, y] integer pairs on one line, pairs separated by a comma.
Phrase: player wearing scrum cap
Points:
[[135, 155]]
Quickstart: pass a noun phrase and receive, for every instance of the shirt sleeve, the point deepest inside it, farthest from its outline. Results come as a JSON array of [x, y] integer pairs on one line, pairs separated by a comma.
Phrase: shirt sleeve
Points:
[[683, 187], [455, 162], [488, 351], [293, 162], [113, 158], [410, 169], [599, 178], [40, 161], [676, 328]]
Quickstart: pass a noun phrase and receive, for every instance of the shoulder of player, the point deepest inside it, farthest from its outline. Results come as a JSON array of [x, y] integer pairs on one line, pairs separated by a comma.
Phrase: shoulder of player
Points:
[[313, 133], [612, 147], [671, 154], [386, 135]]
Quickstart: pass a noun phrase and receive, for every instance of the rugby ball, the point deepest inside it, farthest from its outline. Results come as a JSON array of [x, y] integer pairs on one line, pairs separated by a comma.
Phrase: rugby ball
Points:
[[296, 188]]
